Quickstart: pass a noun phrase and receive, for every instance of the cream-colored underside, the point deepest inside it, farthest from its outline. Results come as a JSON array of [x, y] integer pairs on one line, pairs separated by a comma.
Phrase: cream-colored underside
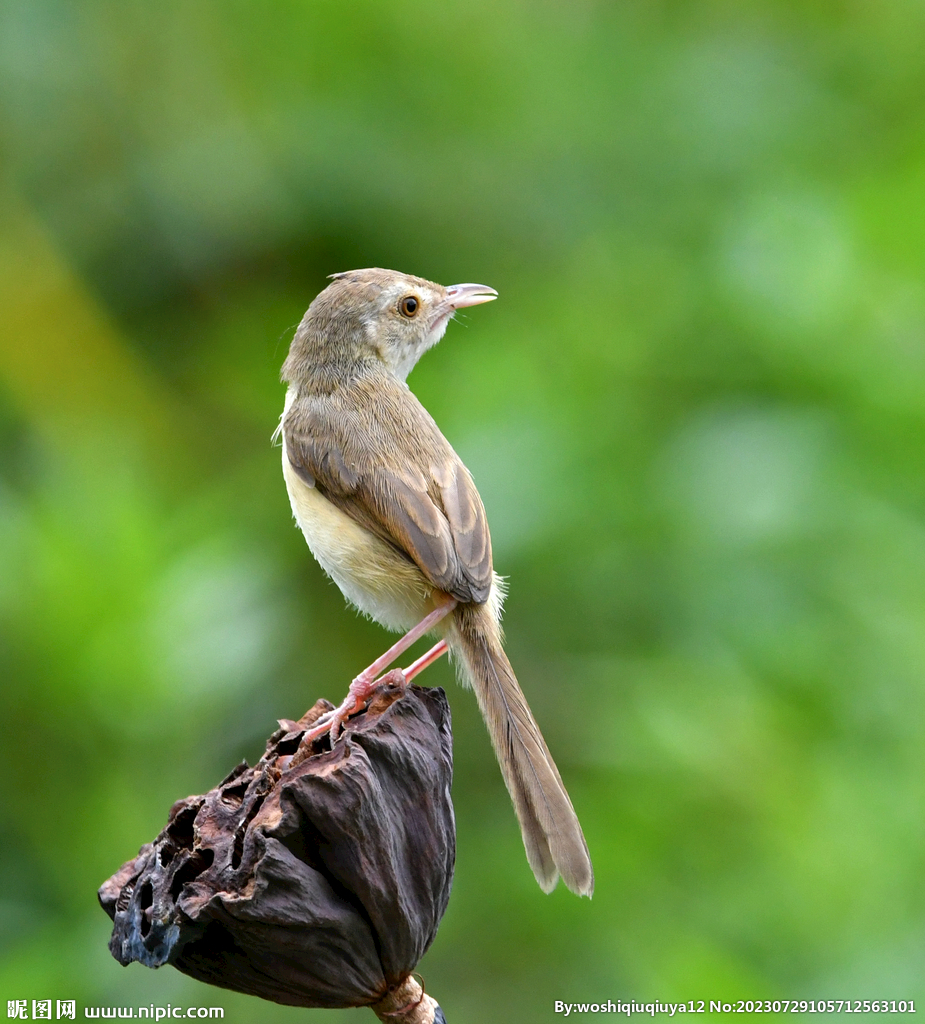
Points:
[[370, 573]]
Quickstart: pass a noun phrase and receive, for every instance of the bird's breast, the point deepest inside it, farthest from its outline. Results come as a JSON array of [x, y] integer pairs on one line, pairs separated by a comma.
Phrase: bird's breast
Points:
[[370, 573]]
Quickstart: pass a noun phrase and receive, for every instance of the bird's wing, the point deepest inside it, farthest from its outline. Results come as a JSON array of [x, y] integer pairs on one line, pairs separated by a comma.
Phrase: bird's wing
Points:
[[376, 454]]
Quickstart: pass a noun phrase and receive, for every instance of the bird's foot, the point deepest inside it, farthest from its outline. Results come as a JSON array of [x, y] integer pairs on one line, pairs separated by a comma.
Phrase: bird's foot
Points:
[[367, 683], [358, 696]]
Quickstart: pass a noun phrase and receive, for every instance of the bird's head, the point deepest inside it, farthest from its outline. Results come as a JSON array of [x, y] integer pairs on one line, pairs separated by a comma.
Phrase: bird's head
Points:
[[377, 314]]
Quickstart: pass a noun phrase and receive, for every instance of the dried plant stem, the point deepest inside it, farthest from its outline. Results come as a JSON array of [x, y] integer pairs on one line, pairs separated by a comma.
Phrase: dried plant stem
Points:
[[407, 1004]]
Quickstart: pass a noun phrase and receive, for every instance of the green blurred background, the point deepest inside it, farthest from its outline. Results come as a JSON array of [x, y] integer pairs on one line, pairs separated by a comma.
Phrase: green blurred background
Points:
[[696, 417]]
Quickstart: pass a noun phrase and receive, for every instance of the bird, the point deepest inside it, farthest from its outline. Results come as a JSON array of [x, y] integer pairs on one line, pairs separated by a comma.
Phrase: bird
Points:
[[393, 516]]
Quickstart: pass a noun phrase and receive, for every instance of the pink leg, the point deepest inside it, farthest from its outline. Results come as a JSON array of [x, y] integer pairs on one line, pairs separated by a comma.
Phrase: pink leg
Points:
[[365, 683], [397, 649], [425, 661]]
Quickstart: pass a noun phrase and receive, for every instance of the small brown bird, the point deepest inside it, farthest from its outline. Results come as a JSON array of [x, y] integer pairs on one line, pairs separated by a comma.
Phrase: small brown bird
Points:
[[392, 515]]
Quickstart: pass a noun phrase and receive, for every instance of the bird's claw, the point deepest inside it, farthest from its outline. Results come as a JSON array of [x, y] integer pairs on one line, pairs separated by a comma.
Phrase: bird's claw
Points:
[[358, 697]]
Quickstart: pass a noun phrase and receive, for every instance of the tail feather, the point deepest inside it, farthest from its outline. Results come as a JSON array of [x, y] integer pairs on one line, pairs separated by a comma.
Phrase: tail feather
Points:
[[552, 836]]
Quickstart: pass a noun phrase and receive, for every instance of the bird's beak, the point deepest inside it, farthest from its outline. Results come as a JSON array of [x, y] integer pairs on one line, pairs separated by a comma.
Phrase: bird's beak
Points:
[[459, 295]]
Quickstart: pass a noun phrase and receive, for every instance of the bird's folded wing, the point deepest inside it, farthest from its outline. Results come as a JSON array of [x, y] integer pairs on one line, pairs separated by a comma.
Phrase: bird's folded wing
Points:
[[398, 477]]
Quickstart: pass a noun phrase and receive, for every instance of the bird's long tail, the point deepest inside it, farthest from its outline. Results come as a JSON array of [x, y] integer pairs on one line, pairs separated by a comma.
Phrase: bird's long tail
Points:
[[552, 836]]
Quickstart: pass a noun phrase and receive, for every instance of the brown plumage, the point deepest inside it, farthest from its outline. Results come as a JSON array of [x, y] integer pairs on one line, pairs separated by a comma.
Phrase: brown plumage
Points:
[[393, 516]]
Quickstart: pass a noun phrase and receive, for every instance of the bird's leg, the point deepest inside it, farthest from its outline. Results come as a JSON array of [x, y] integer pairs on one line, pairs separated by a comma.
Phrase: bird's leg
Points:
[[425, 661], [366, 682]]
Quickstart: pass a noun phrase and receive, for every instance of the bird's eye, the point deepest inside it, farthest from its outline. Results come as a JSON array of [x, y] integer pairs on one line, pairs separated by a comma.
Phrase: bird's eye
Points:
[[409, 306]]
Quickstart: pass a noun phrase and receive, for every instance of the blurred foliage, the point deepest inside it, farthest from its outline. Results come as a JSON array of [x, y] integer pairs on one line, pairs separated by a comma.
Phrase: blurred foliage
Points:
[[696, 416]]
